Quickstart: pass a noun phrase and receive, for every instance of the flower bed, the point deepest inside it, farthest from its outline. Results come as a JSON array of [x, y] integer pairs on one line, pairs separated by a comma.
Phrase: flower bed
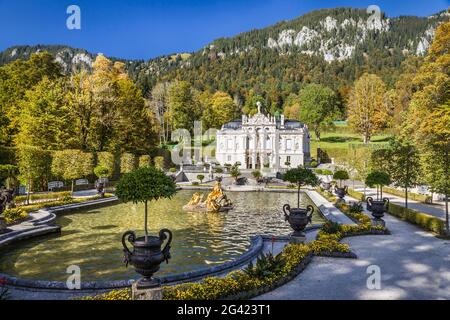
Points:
[[14, 215], [250, 282], [53, 196], [65, 201]]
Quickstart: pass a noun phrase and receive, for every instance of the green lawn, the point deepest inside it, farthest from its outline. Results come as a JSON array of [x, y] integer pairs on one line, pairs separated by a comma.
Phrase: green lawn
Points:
[[342, 138]]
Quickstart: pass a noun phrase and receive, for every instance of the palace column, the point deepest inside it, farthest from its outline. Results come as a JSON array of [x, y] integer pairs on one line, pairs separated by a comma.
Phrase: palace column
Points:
[[276, 150]]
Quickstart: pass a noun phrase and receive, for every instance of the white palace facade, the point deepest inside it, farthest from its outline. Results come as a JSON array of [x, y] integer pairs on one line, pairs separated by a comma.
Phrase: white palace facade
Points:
[[263, 141]]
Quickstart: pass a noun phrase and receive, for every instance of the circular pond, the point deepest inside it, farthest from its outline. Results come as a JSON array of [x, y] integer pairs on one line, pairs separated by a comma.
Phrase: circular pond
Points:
[[91, 238]]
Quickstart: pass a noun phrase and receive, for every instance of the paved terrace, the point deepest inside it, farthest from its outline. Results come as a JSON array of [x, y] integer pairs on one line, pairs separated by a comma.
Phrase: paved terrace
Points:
[[413, 264]]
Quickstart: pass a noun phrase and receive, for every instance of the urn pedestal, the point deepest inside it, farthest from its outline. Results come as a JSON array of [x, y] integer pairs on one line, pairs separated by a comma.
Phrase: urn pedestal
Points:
[[146, 293], [298, 219], [147, 256], [377, 208]]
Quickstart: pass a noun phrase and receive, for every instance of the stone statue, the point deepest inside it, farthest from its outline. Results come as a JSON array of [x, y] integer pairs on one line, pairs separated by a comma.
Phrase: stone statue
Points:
[[258, 104], [6, 199]]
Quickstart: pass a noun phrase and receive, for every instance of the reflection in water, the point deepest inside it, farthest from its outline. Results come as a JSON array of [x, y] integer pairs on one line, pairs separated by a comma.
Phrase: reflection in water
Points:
[[92, 238]]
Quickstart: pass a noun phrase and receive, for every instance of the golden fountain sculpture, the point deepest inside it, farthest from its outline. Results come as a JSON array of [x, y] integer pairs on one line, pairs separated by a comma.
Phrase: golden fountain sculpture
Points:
[[216, 201]]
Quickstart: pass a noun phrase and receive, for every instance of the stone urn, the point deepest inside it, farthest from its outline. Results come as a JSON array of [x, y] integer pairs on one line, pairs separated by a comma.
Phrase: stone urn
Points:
[[377, 207], [147, 255], [341, 192], [298, 218]]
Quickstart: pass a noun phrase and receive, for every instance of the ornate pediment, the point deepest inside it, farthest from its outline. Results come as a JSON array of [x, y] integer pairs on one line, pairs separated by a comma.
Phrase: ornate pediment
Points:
[[259, 119]]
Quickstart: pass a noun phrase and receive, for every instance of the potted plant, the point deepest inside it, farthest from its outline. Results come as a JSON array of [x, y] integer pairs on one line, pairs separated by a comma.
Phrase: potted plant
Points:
[[298, 217], [378, 179], [142, 186], [257, 175], [235, 172], [200, 177], [341, 175]]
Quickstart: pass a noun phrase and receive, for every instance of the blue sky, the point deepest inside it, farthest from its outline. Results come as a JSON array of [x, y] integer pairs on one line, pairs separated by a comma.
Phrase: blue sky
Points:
[[144, 29]]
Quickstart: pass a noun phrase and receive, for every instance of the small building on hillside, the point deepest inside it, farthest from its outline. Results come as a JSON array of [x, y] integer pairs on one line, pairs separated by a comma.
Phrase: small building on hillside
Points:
[[263, 141]]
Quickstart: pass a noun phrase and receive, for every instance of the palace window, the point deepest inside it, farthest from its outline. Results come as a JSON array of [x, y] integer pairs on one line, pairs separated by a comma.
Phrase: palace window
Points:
[[289, 144], [229, 144]]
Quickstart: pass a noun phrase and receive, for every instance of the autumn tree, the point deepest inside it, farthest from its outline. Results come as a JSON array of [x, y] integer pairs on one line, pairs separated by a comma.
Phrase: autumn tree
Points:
[[367, 113], [183, 107], [250, 107], [428, 120], [291, 107], [16, 79], [219, 110], [44, 120]]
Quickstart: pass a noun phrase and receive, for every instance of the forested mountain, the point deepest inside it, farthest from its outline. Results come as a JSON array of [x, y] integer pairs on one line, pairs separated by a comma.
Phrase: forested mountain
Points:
[[329, 46]]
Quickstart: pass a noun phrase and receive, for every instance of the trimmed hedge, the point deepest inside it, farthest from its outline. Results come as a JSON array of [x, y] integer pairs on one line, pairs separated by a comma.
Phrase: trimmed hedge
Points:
[[426, 221], [412, 196], [64, 201], [423, 220], [357, 195], [44, 196]]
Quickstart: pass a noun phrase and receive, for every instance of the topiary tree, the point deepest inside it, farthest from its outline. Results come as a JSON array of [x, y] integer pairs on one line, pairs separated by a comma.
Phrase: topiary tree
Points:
[[101, 171], [200, 177], [144, 161], [72, 164], [301, 177], [159, 162], [34, 165], [378, 179], [341, 175], [127, 163], [143, 185], [256, 174], [313, 164], [106, 159]]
